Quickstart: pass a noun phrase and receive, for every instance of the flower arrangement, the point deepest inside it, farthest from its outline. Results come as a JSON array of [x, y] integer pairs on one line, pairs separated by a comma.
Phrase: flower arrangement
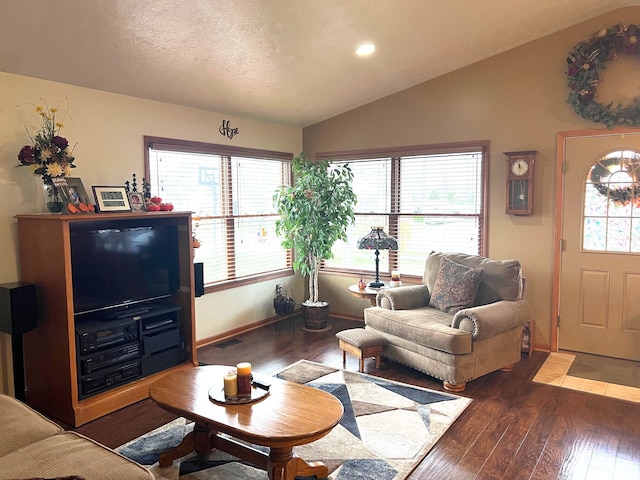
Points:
[[48, 155], [584, 67]]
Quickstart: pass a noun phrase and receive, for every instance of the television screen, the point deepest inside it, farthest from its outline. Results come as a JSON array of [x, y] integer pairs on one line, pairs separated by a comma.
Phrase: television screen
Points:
[[127, 263]]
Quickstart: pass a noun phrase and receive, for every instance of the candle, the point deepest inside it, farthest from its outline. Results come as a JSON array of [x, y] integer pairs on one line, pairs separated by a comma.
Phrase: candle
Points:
[[244, 378], [230, 385], [395, 279], [243, 368]]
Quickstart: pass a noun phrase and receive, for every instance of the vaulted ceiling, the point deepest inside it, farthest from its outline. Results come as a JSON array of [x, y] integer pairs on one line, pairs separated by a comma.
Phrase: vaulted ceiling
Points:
[[284, 61]]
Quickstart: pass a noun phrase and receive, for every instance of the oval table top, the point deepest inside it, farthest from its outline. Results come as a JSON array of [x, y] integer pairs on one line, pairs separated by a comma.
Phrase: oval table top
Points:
[[291, 414]]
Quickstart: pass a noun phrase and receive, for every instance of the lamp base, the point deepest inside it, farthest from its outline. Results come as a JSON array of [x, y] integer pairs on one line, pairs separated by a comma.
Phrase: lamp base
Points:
[[376, 284]]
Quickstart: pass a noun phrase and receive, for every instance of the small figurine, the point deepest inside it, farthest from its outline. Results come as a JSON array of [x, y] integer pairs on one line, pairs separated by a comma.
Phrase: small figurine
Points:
[[361, 284]]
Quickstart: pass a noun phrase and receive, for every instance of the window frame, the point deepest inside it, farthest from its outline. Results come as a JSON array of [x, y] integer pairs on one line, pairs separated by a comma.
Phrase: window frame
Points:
[[189, 146], [395, 154]]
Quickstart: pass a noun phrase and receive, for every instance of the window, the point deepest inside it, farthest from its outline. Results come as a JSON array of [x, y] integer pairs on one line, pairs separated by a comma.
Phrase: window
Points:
[[428, 198], [612, 204], [230, 191]]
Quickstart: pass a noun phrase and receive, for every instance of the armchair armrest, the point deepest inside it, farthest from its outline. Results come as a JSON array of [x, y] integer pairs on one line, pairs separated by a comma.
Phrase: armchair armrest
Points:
[[403, 298], [486, 321]]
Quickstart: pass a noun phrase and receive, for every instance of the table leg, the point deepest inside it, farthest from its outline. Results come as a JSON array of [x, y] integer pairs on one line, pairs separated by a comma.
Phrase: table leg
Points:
[[304, 469], [199, 441], [283, 465]]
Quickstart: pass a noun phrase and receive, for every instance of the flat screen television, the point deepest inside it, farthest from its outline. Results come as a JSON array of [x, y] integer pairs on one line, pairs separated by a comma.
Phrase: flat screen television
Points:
[[122, 263]]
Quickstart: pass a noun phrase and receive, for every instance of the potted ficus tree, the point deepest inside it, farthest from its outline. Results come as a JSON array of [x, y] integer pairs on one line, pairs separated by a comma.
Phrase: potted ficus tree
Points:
[[314, 213]]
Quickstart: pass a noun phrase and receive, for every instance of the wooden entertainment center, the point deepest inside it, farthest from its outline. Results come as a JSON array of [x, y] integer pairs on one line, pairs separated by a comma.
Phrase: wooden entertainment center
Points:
[[56, 362]]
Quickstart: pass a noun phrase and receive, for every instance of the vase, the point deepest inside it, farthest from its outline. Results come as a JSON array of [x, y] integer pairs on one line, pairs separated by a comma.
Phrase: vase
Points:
[[52, 197]]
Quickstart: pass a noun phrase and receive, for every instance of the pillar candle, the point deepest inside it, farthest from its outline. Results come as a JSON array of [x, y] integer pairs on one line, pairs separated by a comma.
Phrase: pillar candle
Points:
[[244, 378], [230, 385], [243, 368]]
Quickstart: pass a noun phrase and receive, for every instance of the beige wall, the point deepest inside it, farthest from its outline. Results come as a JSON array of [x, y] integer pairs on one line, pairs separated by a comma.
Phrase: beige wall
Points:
[[108, 129], [517, 101]]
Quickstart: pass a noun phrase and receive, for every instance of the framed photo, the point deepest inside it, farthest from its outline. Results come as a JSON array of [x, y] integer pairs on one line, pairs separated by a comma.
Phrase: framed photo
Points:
[[75, 196], [111, 199], [136, 200]]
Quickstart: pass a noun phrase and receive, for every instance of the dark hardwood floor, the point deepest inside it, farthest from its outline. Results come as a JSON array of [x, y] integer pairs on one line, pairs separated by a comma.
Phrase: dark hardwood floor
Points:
[[514, 429]]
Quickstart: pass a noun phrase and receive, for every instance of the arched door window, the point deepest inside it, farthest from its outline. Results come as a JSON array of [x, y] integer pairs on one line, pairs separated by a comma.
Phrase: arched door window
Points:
[[612, 204]]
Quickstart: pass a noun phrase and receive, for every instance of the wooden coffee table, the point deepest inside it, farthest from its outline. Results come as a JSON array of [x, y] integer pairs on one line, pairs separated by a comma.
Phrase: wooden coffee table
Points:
[[292, 414]]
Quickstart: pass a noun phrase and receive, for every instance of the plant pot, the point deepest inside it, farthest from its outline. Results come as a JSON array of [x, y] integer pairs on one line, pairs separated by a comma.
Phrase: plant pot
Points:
[[283, 301], [283, 305], [315, 317]]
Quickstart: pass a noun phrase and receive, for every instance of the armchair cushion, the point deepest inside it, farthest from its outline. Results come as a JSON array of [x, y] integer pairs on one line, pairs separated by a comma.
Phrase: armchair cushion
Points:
[[422, 326], [501, 279], [456, 287]]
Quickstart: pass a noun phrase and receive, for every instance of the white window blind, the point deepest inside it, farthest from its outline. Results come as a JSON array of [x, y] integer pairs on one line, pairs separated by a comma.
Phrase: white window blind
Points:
[[431, 201], [231, 200]]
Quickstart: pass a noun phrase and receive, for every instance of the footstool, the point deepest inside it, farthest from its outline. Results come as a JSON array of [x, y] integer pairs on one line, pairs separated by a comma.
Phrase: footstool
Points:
[[361, 344]]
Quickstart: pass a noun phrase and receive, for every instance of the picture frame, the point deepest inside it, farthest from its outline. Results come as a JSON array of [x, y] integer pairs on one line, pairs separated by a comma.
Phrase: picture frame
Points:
[[137, 201], [111, 199], [75, 196]]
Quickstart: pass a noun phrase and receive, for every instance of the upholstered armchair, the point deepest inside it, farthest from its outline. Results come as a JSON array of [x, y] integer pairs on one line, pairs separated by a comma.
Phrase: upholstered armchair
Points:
[[465, 320]]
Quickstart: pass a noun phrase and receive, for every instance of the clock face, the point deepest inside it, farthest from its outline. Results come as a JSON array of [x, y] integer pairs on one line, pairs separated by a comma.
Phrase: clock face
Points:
[[519, 167]]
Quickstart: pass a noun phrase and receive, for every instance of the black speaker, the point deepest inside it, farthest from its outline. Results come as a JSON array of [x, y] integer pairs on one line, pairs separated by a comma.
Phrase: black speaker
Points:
[[198, 274], [18, 308]]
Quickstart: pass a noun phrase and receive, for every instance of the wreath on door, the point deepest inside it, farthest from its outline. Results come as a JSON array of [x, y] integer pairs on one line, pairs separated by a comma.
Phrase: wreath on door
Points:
[[620, 194], [584, 68]]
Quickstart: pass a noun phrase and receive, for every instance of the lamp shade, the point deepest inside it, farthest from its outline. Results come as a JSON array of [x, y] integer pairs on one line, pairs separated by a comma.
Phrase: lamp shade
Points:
[[377, 239]]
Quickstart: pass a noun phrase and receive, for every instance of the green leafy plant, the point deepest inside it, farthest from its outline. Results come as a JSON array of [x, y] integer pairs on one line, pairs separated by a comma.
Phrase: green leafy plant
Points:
[[314, 213]]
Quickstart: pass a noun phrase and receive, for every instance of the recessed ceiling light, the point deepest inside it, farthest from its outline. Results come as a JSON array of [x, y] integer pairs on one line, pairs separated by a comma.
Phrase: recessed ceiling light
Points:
[[365, 49]]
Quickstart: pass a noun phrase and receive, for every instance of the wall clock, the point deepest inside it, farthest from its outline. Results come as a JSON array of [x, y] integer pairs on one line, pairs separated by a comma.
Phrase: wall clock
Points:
[[520, 170]]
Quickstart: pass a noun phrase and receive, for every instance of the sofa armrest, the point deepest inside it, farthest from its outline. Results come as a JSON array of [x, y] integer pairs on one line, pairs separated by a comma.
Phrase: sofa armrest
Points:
[[403, 298], [486, 321]]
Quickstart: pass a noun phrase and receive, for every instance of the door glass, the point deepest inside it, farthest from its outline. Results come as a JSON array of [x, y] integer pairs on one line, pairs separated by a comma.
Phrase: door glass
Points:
[[612, 204]]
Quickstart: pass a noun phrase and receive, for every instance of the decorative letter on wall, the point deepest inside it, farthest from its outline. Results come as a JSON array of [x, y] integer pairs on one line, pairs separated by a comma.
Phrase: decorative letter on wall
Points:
[[226, 130]]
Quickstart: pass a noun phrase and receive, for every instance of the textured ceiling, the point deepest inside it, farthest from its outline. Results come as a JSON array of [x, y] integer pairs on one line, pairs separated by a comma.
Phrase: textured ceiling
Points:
[[285, 61]]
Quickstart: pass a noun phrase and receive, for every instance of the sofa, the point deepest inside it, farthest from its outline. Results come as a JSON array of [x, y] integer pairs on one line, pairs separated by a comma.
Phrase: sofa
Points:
[[463, 321], [33, 447]]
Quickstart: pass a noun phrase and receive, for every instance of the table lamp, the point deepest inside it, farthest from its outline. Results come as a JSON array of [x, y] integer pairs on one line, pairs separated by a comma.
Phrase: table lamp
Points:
[[377, 240]]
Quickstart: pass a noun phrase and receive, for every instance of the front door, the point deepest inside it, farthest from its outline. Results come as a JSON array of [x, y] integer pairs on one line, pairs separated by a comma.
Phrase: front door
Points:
[[599, 295]]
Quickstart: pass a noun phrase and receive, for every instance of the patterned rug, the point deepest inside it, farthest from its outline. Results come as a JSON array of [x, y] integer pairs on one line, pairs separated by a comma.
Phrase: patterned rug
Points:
[[386, 430]]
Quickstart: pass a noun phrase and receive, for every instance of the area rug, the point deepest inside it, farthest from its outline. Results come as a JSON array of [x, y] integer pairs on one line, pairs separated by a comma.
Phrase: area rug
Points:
[[591, 374], [386, 430]]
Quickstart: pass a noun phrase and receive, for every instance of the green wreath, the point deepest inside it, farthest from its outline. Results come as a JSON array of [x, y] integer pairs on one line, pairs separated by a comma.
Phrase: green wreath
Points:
[[618, 195], [584, 66]]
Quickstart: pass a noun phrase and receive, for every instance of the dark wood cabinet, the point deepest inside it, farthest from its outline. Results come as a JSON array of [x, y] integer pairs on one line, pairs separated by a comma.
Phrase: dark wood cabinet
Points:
[[51, 356]]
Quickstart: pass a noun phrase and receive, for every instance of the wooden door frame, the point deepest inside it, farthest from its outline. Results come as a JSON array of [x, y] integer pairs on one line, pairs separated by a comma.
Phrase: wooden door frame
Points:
[[561, 148]]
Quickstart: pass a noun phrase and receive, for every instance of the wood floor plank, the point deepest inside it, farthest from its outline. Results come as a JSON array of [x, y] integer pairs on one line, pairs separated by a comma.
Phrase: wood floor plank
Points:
[[513, 429]]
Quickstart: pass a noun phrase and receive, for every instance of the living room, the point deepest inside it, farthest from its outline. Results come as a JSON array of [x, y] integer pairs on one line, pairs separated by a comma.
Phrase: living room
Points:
[[515, 99]]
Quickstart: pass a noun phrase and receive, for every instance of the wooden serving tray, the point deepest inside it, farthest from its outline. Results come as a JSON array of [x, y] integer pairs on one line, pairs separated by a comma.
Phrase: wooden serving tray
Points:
[[217, 395]]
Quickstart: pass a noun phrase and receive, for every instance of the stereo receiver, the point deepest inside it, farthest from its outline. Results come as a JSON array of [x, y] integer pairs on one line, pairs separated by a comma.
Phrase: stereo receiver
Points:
[[96, 335]]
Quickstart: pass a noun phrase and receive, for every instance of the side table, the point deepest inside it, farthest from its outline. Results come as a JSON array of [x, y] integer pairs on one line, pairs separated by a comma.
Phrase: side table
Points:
[[368, 293]]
